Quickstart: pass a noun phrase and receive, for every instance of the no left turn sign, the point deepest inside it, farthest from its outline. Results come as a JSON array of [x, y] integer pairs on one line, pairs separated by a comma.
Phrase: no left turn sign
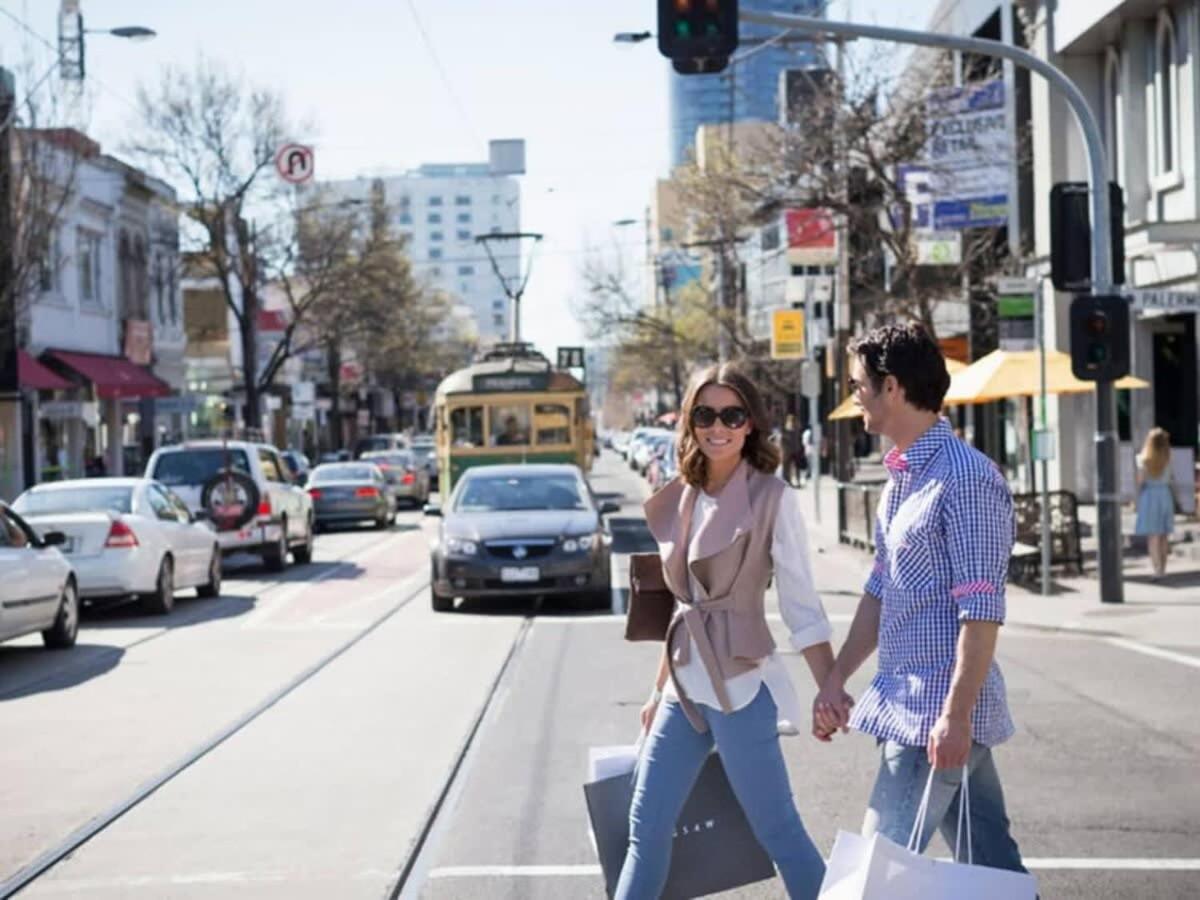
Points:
[[294, 163]]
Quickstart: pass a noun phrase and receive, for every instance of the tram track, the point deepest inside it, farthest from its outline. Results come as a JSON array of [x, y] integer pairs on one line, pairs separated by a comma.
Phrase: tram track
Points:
[[47, 860]]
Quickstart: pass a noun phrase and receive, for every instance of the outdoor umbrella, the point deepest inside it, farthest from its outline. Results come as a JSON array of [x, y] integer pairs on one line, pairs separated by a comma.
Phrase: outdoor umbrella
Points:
[[1004, 374], [847, 410]]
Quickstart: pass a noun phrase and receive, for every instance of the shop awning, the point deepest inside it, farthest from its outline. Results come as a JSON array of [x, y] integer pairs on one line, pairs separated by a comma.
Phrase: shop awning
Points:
[[32, 374], [113, 376]]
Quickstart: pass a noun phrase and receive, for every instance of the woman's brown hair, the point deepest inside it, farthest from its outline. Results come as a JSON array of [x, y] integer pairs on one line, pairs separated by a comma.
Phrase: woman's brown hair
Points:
[[1156, 452], [758, 450]]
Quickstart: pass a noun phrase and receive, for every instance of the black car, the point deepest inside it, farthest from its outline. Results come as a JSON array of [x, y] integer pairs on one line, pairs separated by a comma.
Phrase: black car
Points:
[[522, 530]]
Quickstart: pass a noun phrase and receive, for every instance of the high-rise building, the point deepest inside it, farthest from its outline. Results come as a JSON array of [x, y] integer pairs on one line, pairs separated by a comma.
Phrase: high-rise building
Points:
[[745, 90], [440, 208]]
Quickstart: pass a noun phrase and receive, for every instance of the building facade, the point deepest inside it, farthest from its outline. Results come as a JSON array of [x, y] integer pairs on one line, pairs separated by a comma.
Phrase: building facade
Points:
[[440, 208], [102, 333], [745, 91]]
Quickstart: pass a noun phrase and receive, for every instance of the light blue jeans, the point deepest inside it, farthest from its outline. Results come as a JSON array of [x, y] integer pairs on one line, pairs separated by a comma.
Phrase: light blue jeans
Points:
[[903, 772], [748, 742]]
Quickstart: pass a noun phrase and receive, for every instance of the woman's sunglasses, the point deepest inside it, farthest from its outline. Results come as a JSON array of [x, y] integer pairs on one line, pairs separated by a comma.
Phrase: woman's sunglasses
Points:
[[730, 416]]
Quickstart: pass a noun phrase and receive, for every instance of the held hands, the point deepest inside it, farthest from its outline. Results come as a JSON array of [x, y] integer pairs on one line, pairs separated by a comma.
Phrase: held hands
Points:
[[949, 742], [831, 710]]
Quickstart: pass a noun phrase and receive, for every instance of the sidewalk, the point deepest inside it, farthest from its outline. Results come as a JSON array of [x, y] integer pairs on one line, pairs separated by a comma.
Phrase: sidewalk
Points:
[[1165, 614]]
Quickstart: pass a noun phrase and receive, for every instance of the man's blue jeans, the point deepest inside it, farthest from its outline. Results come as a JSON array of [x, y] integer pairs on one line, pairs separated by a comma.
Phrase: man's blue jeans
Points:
[[896, 796], [748, 741]]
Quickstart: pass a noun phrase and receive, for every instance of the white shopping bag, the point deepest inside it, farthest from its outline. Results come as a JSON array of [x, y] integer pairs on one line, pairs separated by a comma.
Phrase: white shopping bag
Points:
[[876, 868], [605, 762]]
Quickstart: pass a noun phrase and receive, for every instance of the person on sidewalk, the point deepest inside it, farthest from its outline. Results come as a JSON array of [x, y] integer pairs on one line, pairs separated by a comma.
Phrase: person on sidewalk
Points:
[[1155, 502], [723, 527], [933, 606]]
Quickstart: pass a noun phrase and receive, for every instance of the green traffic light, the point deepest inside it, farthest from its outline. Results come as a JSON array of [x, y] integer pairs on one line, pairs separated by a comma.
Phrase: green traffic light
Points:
[[683, 29]]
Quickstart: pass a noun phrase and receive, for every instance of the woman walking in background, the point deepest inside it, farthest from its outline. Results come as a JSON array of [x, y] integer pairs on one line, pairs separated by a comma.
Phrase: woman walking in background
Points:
[[1155, 504]]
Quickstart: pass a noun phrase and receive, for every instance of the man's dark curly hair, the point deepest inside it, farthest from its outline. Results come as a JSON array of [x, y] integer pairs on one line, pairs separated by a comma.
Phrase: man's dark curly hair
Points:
[[912, 356]]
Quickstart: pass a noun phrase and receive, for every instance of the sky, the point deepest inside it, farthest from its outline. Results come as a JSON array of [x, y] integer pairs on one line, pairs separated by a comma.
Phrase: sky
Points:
[[390, 84]]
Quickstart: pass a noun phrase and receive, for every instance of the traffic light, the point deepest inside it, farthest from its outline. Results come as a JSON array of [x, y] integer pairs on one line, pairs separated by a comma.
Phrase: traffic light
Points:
[[1100, 337], [1071, 235], [698, 36]]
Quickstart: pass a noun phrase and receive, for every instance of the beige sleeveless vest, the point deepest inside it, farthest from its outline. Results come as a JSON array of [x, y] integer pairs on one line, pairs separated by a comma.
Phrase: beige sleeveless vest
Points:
[[727, 620]]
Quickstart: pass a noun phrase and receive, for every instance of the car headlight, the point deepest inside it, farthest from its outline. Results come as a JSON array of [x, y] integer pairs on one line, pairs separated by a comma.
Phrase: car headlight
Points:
[[578, 543], [461, 546]]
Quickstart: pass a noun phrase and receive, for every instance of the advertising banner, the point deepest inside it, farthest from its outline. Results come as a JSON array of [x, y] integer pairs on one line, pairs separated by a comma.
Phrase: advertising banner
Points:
[[812, 237]]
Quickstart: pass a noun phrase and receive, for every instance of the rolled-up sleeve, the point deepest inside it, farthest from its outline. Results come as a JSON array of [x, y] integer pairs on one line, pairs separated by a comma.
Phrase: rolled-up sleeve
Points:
[[979, 533], [799, 603]]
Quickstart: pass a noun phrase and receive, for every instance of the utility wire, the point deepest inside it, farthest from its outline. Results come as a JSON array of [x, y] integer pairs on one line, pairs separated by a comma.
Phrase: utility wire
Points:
[[446, 83]]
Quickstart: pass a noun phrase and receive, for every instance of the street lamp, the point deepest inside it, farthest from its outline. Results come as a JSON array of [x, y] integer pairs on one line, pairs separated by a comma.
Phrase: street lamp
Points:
[[71, 39], [631, 37], [131, 32]]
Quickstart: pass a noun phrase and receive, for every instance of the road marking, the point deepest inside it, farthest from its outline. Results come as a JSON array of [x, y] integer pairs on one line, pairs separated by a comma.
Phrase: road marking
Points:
[[1149, 650], [1046, 864]]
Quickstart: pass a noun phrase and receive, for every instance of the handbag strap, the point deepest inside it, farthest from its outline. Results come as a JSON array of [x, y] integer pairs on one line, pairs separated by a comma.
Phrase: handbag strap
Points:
[[964, 816]]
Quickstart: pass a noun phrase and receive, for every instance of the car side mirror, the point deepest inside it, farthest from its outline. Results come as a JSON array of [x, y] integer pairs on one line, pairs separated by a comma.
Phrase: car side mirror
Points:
[[432, 509], [609, 506], [53, 539], [201, 515]]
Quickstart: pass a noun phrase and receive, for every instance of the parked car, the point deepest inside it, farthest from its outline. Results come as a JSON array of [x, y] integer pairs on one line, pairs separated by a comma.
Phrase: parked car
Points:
[[664, 466], [37, 592], [533, 530], [405, 474], [379, 442], [298, 465], [425, 450], [647, 448], [248, 494], [639, 437], [351, 492], [128, 536], [334, 456]]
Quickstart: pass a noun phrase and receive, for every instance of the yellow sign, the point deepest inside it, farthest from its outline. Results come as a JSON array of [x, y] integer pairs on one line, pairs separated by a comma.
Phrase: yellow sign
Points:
[[787, 334]]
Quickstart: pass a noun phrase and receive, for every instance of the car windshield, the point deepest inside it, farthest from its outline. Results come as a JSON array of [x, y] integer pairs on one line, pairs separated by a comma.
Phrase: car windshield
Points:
[[195, 467], [342, 473], [85, 498], [491, 493], [395, 460]]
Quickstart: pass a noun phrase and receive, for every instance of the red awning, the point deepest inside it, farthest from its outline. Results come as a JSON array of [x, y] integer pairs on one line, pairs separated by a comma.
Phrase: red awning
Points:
[[32, 374], [112, 375]]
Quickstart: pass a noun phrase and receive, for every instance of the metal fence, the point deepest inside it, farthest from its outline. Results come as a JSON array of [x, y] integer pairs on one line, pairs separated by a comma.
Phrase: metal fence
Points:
[[856, 512]]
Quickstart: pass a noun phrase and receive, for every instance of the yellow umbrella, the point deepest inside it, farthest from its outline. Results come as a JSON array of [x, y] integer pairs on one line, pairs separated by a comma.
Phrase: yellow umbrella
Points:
[[847, 410], [1017, 373]]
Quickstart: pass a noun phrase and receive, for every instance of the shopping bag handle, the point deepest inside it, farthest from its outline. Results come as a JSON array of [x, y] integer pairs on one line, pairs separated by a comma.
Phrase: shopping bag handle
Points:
[[964, 816]]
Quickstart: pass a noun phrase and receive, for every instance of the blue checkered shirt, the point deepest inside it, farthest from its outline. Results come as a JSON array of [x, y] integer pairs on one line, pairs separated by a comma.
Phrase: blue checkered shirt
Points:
[[943, 536]]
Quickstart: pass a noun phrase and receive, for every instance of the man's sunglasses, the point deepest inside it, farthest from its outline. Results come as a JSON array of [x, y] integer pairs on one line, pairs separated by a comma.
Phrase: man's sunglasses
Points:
[[730, 416]]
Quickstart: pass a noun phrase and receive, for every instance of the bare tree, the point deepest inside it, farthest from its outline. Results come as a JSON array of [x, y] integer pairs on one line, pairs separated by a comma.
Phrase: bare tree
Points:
[[215, 138]]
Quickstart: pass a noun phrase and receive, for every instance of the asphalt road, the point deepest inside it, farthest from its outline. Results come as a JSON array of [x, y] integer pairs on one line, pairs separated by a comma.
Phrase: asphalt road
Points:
[[342, 740]]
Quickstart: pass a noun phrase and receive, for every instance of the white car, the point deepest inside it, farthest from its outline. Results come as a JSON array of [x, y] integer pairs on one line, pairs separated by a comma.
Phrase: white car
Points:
[[37, 592], [127, 536], [248, 493]]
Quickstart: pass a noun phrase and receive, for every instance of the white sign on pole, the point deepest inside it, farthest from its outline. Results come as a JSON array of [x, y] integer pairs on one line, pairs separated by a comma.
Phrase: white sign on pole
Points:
[[810, 379], [938, 248], [295, 163], [304, 393]]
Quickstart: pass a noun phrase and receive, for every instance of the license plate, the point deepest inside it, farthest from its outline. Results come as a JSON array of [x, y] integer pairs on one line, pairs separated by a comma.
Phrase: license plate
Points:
[[519, 573]]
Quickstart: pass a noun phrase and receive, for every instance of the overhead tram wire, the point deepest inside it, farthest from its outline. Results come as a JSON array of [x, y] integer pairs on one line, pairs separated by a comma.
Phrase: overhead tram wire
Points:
[[445, 77]]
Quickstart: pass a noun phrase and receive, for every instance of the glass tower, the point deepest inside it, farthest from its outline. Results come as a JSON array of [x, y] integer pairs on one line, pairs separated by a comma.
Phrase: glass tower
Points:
[[748, 90]]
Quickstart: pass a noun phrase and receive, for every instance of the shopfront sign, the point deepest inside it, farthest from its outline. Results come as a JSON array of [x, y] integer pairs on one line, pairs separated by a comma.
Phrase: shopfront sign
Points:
[[1162, 302]]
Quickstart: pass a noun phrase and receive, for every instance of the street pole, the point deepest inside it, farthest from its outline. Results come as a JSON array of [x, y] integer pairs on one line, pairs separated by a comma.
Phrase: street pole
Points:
[[11, 425], [814, 414], [1107, 495], [841, 323]]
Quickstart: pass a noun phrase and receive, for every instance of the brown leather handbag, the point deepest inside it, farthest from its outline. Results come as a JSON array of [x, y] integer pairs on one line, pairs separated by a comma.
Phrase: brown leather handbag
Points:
[[651, 603]]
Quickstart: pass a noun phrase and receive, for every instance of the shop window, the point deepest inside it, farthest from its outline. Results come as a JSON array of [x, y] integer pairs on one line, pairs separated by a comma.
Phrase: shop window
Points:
[[510, 425], [466, 426], [553, 423], [88, 251], [1166, 94]]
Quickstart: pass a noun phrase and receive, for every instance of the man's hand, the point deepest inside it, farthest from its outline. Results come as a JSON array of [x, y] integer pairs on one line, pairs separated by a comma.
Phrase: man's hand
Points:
[[949, 742], [831, 709]]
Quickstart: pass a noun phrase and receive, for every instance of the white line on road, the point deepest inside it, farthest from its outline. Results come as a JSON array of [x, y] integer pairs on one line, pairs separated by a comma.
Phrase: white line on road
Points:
[[1149, 650], [1039, 864]]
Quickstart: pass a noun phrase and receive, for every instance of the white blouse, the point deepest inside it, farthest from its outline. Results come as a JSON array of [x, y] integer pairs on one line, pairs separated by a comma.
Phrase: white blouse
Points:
[[799, 605]]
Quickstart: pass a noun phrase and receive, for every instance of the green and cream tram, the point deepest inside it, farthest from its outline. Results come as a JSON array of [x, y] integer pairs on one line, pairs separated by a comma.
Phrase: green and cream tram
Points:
[[510, 407]]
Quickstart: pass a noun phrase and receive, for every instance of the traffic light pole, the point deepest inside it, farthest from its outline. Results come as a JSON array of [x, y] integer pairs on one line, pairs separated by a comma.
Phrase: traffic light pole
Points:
[[1107, 493]]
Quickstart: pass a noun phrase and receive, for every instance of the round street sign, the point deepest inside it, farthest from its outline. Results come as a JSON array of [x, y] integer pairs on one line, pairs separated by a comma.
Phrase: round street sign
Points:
[[294, 163]]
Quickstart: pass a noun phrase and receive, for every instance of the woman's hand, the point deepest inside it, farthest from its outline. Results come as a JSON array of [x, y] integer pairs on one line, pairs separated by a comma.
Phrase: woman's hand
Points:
[[647, 714]]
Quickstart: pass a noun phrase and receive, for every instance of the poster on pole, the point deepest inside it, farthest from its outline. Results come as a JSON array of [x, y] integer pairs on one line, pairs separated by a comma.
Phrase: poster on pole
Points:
[[787, 334], [968, 154], [812, 237]]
